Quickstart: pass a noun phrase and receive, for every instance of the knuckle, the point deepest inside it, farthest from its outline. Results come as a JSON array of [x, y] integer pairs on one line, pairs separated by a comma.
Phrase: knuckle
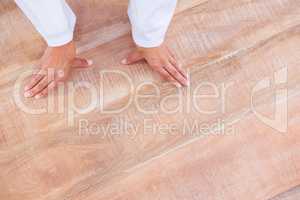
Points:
[[155, 65], [43, 93], [34, 91], [164, 74]]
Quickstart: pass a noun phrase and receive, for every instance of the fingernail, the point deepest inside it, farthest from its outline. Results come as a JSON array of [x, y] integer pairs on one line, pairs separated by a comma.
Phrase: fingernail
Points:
[[90, 62], [124, 61], [38, 96], [26, 88], [60, 73], [178, 85], [27, 94]]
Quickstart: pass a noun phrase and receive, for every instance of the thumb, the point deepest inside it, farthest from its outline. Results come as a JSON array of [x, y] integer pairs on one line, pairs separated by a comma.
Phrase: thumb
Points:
[[132, 58], [81, 63]]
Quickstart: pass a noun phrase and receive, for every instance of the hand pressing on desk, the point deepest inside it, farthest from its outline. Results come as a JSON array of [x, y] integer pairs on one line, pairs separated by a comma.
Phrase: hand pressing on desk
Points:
[[161, 60], [55, 66]]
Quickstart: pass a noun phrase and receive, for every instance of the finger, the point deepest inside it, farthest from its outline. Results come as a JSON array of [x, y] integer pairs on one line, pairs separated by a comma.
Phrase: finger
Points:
[[132, 58], [36, 77], [38, 87], [61, 75], [176, 74], [81, 63], [178, 67], [46, 91], [161, 70], [169, 78]]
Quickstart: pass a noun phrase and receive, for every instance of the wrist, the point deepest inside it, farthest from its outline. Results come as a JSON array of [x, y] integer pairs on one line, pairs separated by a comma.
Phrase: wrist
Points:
[[142, 48]]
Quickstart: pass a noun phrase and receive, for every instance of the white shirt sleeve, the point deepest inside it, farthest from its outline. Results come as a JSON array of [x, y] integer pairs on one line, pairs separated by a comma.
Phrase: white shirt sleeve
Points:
[[53, 19], [150, 20]]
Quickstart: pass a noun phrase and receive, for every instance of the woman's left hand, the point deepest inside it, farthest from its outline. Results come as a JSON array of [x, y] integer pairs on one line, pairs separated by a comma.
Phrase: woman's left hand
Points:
[[161, 60]]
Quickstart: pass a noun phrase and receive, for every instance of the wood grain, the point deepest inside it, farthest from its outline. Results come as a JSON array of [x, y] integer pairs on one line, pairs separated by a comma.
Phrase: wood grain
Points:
[[231, 43], [289, 195]]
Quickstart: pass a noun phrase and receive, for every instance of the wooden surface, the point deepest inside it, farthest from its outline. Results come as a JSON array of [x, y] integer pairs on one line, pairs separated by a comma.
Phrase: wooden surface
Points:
[[236, 44], [289, 195]]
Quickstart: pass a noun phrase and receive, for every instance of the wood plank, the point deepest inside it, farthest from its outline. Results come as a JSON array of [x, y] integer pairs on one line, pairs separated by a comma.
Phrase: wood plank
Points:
[[255, 160], [292, 194]]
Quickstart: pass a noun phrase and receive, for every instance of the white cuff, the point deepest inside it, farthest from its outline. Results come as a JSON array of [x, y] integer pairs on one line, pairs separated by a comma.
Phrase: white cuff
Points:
[[53, 19], [150, 20], [147, 42], [61, 39]]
